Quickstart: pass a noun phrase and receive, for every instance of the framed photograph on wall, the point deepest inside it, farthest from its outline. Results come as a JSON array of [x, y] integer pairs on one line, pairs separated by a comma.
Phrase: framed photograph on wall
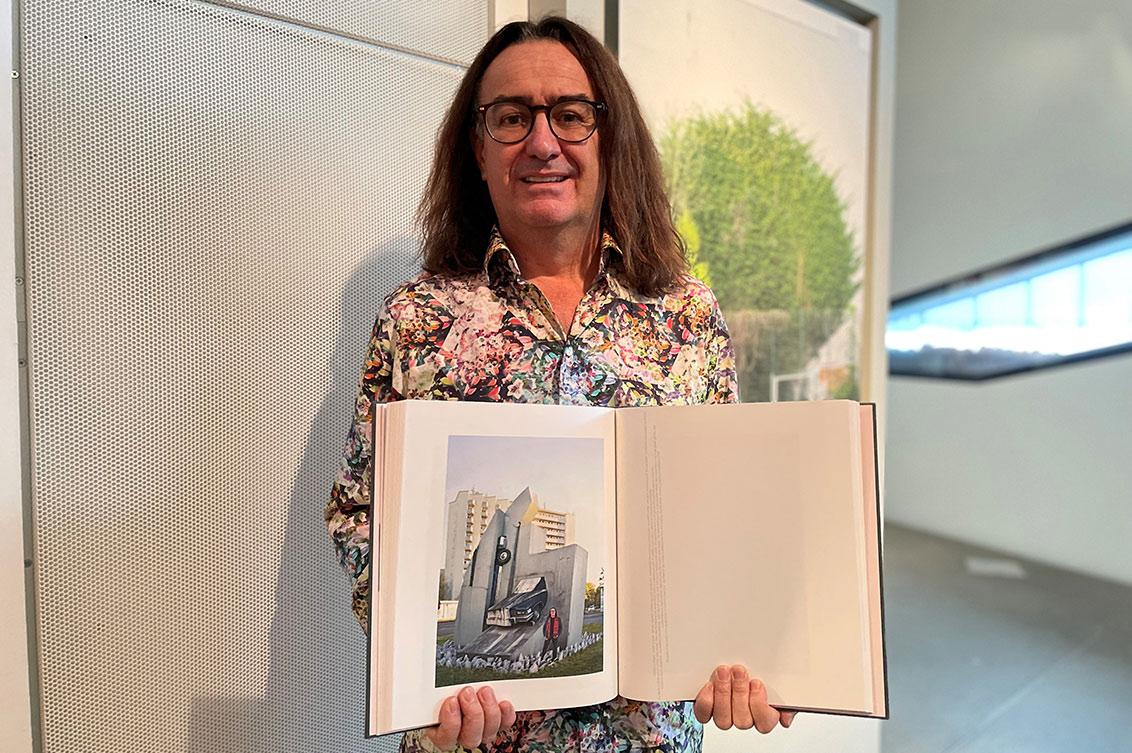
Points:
[[762, 111]]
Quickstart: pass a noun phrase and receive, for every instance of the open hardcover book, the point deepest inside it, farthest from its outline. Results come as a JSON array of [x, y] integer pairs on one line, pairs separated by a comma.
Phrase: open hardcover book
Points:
[[567, 555]]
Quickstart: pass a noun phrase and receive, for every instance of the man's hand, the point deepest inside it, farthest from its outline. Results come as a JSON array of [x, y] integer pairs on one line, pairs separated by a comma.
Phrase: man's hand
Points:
[[471, 719], [732, 698]]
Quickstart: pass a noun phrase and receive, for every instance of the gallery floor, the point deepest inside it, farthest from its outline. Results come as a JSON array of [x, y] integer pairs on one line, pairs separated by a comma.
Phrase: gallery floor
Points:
[[989, 654]]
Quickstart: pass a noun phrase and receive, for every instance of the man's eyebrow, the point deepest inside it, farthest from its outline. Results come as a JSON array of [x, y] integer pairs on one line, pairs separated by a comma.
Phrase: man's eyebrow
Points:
[[527, 100]]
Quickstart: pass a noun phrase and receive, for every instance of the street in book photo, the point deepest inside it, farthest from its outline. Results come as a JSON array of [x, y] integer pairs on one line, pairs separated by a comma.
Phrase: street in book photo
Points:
[[521, 591]]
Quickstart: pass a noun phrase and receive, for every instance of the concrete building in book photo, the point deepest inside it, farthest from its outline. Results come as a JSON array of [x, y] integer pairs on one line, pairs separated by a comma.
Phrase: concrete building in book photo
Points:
[[468, 515]]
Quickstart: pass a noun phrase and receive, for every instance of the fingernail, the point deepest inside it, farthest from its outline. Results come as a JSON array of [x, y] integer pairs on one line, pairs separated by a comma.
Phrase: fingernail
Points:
[[467, 694], [451, 705], [489, 693], [724, 674]]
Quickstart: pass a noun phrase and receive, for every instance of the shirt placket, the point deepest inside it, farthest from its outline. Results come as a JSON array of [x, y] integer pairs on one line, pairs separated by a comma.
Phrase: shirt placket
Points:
[[583, 319], [536, 306], [564, 342]]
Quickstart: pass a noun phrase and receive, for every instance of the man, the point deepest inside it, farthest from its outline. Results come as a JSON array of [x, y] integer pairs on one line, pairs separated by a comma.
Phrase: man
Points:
[[553, 275]]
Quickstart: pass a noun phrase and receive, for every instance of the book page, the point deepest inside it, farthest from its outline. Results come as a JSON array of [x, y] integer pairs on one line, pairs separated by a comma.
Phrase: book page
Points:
[[741, 540], [498, 563]]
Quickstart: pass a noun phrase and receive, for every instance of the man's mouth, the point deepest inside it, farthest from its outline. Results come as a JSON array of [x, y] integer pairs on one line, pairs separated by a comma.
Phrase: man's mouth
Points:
[[544, 179]]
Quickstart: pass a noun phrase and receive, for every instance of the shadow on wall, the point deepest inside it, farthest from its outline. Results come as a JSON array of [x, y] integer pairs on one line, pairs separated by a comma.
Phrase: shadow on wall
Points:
[[314, 690]]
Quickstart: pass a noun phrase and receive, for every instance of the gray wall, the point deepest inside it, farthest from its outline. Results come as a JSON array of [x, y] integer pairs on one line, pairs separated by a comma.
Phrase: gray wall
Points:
[[215, 203], [1012, 134]]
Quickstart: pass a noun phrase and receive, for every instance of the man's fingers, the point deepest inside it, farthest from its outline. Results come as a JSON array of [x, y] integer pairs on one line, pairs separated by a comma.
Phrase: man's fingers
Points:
[[721, 698], [740, 697], [506, 715], [471, 731], [702, 707], [491, 714], [765, 715], [787, 717], [444, 734]]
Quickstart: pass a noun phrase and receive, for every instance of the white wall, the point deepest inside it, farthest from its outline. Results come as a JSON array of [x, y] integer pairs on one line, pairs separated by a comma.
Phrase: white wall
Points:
[[1012, 134]]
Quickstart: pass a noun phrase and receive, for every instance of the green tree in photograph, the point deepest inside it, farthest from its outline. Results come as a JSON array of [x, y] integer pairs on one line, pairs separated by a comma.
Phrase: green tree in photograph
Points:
[[762, 219], [686, 227]]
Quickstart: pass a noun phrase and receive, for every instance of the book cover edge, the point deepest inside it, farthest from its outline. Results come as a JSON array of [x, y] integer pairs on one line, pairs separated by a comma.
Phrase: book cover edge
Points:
[[369, 596]]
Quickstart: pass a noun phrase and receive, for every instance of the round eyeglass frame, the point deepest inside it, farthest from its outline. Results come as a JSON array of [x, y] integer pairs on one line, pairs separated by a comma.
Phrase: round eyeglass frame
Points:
[[600, 109]]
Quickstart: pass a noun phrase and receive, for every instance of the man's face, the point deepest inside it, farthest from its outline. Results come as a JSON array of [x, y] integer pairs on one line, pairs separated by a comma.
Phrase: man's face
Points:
[[540, 182]]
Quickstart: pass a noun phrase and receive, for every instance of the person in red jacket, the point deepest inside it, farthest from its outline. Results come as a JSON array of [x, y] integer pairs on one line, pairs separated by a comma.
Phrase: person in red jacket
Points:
[[551, 630]]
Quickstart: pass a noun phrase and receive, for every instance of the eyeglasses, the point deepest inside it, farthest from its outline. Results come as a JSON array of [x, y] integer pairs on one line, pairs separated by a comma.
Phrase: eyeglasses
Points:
[[571, 120]]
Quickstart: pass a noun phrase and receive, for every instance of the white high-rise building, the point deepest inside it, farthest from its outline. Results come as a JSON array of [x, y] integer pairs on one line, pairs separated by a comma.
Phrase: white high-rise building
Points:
[[468, 515]]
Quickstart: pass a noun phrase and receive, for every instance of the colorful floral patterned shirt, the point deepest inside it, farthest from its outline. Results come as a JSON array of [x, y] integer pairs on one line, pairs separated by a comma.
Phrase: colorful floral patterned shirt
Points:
[[493, 336]]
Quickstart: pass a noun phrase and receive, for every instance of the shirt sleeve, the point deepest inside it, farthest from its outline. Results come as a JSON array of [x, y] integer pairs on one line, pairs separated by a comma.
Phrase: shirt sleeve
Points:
[[416, 741], [719, 359], [347, 512]]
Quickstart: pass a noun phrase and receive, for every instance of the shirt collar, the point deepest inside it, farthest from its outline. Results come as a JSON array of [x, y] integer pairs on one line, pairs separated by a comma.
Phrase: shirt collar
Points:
[[500, 259]]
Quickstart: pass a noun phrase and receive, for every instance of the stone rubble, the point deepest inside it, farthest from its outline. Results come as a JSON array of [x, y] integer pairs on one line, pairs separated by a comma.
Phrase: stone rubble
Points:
[[447, 655]]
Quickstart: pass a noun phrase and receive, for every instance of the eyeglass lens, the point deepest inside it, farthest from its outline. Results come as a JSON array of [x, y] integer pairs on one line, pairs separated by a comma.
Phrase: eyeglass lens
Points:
[[570, 120]]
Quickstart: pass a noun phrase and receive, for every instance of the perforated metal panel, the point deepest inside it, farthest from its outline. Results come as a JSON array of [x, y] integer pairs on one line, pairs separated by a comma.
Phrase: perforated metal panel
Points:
[[436, 27], [215, 205]]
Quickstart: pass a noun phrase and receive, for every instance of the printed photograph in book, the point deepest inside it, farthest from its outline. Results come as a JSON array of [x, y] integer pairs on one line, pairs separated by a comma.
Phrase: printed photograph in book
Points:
[[521, 590]]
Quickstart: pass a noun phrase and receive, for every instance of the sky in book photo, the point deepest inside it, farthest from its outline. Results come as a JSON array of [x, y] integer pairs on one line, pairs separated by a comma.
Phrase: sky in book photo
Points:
[[565, 473]]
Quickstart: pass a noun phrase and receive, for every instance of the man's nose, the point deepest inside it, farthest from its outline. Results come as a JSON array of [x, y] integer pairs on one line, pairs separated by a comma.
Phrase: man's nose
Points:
[[541, 142]]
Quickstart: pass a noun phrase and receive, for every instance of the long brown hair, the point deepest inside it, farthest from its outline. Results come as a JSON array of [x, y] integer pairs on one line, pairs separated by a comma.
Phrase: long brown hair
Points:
[[456, 214]]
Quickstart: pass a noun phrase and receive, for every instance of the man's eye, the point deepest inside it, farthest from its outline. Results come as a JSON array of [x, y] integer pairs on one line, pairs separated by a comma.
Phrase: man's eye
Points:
[[570, 116], [511, 118]]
